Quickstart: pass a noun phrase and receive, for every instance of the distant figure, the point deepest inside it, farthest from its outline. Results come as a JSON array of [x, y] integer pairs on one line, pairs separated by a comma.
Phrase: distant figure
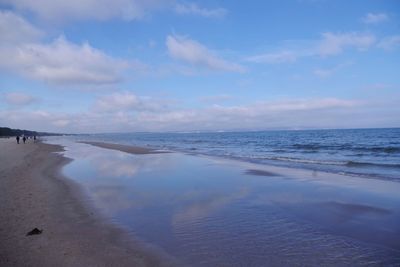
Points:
[[17, 139], [24, 139], [34, 138]]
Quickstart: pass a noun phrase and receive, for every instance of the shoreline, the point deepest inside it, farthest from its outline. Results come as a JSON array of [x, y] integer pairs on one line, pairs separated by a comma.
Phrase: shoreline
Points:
[[137, 150], [35, 194]]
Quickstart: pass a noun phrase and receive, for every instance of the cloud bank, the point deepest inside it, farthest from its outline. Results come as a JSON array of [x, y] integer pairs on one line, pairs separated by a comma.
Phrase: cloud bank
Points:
[[125, 112]]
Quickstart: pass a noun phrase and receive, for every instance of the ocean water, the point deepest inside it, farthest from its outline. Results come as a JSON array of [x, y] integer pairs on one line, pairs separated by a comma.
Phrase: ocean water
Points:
[[369, 153], [211, 211], [230, 200]]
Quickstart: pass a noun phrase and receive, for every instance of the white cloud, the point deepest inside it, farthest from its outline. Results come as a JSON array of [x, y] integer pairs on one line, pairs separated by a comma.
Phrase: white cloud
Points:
[[194, 9], [378, 87], [58, 62], [290, 113], [264, 114], [117, 102], [193, 52], [56, 10], [126, 102], [216, 98], [61, 123], [323, 73], [14, 29], [279, 57], [335, 43], [37, 120], [374, 18], [62, 62], [290, 105], [390, 42], [330, 44], [327, 72], [18, 98]]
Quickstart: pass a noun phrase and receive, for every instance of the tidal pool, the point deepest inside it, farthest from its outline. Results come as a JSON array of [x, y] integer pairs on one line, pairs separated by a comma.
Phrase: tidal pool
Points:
[[207, 211]]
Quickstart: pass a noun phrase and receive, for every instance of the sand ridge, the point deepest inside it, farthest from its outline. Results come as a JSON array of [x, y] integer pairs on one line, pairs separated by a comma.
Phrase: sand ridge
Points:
[[125, 148]]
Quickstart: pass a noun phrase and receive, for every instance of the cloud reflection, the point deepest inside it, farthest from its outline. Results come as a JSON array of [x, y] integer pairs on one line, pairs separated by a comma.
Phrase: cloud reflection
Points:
[[202, 207]]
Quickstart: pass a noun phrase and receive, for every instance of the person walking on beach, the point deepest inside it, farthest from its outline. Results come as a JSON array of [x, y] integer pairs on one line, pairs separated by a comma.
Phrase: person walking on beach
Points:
[[17, 139], [24, 139]]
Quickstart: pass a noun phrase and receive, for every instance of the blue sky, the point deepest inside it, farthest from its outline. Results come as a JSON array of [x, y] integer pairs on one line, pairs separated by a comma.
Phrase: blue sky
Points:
[[165, 65]]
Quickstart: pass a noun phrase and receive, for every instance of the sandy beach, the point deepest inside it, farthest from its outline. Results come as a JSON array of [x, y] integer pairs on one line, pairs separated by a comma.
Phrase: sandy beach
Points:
[[35, 195]]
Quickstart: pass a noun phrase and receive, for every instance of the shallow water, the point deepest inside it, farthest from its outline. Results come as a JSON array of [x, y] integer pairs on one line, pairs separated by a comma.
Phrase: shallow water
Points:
[[369, 153], [206, 211]]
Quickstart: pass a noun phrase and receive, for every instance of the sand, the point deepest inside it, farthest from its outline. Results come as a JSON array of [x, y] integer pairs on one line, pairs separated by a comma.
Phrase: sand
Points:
[[125, 148], [35, 194]]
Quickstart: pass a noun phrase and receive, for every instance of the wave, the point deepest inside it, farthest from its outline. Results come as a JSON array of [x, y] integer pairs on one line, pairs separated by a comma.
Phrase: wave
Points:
[[360, 164], [342, 147], [388, 149], [307, 161], [337, 163], [311, 146], [256, 158]]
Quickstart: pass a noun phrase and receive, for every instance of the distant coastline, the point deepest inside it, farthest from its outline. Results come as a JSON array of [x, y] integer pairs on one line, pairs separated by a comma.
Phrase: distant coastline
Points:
[[8, 132]]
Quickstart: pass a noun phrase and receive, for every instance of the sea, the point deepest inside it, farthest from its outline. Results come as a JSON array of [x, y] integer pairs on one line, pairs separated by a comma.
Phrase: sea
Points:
[[331, 197], [367, 153]]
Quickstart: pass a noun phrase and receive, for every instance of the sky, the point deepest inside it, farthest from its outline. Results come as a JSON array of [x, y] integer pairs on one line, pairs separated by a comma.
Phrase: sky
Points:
[[91, 66]]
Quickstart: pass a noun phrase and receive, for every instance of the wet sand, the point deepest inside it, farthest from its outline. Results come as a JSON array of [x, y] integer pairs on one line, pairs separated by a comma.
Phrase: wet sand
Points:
[[125, 148], [35, 194], [260, 173]]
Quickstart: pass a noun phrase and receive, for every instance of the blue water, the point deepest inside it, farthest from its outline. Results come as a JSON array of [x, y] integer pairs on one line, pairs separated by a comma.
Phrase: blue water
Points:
[[213, 211], [369, 153], [207, 211]]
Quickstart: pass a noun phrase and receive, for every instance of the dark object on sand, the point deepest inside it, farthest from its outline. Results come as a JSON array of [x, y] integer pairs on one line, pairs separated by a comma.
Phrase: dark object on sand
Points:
[[24, 139], [35, 231], [17, 139]]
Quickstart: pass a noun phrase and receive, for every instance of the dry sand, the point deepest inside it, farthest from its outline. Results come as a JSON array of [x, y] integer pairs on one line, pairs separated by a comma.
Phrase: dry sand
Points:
[[35, 194]]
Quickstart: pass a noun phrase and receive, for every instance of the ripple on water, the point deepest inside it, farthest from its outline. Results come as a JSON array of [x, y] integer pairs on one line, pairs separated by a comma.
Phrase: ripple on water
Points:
[[229, 239]]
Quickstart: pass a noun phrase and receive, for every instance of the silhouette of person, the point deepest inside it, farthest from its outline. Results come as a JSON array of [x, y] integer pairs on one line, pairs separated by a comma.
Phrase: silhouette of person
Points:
[[24, 139], [34, 138], [17, 139]]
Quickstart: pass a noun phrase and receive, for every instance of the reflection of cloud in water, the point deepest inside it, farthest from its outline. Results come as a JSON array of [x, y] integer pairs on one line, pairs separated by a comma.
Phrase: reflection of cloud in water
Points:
[[116, 167], [283, 198], [112, 198], [353, 209], [203, 207], [112, 163], [123, 165]]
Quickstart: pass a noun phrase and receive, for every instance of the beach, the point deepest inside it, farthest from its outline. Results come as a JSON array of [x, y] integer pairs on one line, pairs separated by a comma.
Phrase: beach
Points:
[[199, 133], [35, 195], [105, 204]]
